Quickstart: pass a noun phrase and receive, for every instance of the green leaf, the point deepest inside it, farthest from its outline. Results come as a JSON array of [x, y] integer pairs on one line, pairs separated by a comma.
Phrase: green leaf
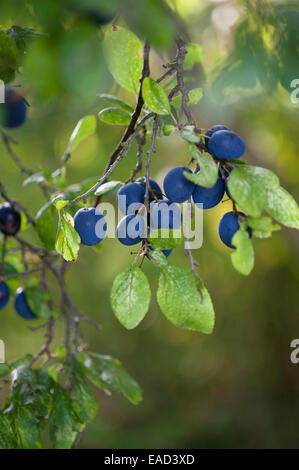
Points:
[[23, 361], [193, 56], [262, 227], [67, 240], [260, 223], [208, 174], [7, 435], [282, 207], [248, 186], [243, 256], [9, 56], [116, 102], [23, 373], [115, 116], [59, 202], [109, 188], [168, 130], [85, 403], [63, 438], [26, 425], [180, 300], [165, 239], [85, 127], [37, 300], [176, 102], [130, 297], [195, 96], [155, 97], [122, 49], [93, 373], [116, 378], [45, 226], [22, 36], [62, 414], [188, 133], [159, 259], [4, 370]]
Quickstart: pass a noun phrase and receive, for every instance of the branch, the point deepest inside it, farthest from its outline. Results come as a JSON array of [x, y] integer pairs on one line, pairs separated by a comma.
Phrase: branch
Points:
[[4, 277], [7, 140], [124, 150], [13, 203], [182, 51], [45, 349], [135, 116]]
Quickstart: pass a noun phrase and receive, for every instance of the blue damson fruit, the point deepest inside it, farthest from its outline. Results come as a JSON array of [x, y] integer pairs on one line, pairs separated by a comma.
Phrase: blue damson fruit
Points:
[[218, 127], [229, 225], [14, 109], [155, 192], [21, 306], [176, 187], [131, 230], [226, 144], [209, 197], [10, 219], [165, 215], [91, 226], [130, 193], [4, 294]]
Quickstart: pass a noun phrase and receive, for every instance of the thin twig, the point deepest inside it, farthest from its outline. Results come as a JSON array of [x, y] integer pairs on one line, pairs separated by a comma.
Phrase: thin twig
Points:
[[182, 51], [4, 277], [45, 349], [122, 154]]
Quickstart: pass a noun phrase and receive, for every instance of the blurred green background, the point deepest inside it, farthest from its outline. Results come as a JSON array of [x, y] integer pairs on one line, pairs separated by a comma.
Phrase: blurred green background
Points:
[[237, 387]]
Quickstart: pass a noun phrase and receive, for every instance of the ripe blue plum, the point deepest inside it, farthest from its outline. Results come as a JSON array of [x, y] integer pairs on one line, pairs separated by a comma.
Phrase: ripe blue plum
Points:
[[14, 109], [10, 219], [165, 215], [131, 193], [209, 197], [210, 132], [4, 294], [21, 306], [229, 225], [90, 225], [176, 187], [155, 192], [131, 230], [226, 144]]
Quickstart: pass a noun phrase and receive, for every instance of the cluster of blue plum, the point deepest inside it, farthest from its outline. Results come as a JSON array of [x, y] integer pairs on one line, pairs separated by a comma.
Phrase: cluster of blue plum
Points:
[[133, 228], [13, 110], [223, 144], [10, 223]]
